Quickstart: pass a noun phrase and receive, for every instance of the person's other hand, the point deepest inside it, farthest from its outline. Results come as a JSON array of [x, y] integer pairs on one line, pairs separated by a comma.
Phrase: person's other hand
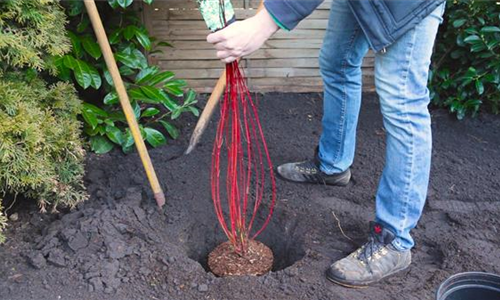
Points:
[[243, 37]]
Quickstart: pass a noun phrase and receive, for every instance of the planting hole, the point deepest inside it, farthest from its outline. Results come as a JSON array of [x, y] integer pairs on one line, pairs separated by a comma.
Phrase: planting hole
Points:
[[282, 235]]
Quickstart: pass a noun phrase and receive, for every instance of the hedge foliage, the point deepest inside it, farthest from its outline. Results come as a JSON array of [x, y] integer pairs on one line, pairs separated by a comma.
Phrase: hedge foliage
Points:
[[41, 154], [466, 70], [32, 32]]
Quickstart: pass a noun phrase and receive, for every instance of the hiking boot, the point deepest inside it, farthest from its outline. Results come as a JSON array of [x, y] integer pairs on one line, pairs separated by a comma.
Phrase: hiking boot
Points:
[[372, 262], [309, 172]]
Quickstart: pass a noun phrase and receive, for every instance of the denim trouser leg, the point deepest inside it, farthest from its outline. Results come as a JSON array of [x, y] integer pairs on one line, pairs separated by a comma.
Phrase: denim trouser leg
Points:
[[401, 81], [401, 76], [341, 58]]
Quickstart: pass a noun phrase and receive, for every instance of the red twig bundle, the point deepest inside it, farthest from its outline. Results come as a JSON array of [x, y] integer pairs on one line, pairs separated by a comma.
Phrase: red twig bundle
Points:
[[249, 172]]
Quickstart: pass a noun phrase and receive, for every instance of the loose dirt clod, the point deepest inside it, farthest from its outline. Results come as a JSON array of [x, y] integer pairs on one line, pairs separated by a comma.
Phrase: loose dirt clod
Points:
[[224, 261]]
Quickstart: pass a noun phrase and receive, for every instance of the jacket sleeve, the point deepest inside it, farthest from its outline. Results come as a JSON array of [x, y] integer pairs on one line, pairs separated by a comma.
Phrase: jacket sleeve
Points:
[[290, 12]]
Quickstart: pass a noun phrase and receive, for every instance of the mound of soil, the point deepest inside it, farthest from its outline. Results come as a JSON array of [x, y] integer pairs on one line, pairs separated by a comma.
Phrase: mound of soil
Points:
[[224, 261], [118, 245]]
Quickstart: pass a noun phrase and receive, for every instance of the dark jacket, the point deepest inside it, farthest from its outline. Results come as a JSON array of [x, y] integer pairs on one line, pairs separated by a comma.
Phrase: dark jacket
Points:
[[382, 21]]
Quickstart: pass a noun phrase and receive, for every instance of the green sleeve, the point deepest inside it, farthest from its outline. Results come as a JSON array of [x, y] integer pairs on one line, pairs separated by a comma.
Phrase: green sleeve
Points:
[[280, 25]]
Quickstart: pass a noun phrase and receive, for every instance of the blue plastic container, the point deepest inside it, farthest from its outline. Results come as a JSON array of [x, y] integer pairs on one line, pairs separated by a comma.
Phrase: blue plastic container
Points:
[[470, 286]]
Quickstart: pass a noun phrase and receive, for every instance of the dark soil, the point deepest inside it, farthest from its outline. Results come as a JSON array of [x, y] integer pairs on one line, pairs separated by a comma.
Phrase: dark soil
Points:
[[224, 261], [118, 245]]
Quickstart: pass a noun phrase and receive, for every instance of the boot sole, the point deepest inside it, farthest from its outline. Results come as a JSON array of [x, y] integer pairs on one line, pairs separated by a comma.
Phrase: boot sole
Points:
[[366, 285], [336, 183]]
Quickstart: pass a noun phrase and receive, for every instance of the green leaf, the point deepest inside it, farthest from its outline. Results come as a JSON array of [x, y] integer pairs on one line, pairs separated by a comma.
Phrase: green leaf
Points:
[[459, 22], [156, 51], [84, 24], [146, 74], [111, 98], [91, 47], [493, 43], [479, 87], [115, 135], [171, 129], [170, 104], [177, 113], [100, 144], [75, 8], [149, 112], [90, 118], [127, 60], [138, 94], [69, 61], [143, 39], [129, 32], [478, 47], [164, 44], [94, 109], [117, 116], [190, 98], [116, 36], [143, 132], [125, 3], [486, 55], [63, 72], [87, 75], [153, 95], [473, 103], [89, 130], [194, 111], [176, 91], [126, 71], [154, 137], [137, 109], [161, 77], [471, 30], [128, 139], [76, 43], [490, 78], [177, 83], [113, 3], [128, 148], [490, 29], [471, 72], [108, 77], [471, 39], [135, 59], [148, 1], [142, 60]]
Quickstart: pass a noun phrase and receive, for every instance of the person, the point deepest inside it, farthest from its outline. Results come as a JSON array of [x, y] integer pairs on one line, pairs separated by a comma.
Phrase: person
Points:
[[402, 35]]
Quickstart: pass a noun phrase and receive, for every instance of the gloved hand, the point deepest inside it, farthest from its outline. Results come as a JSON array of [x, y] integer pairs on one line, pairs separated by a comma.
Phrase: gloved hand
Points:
[[243, 37]]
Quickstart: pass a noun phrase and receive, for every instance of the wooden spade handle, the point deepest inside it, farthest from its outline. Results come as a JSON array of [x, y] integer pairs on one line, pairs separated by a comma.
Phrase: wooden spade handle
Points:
[[124, 100]]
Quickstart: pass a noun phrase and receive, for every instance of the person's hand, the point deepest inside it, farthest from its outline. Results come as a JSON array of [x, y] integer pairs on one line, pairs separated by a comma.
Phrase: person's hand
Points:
[[243, 37]]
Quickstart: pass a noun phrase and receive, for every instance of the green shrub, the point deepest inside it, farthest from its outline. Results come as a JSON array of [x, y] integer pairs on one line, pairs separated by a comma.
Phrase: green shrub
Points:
[[40, 151], [466, 70], [155, 95], [3, 224], [32, 32], [41, 155]]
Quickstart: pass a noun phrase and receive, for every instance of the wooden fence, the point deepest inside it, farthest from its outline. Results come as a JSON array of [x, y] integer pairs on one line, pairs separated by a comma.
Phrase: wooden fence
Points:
[[287, 63]]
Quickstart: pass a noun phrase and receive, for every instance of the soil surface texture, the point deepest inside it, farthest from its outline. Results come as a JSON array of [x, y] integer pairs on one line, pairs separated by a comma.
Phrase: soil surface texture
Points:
[[118, 245]]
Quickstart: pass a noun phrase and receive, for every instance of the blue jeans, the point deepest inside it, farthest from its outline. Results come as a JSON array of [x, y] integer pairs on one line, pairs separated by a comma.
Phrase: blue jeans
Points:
[[401, 74]]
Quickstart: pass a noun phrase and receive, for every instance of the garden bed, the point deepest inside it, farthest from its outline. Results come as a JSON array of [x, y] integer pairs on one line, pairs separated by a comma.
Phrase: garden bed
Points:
[[118, 245]]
